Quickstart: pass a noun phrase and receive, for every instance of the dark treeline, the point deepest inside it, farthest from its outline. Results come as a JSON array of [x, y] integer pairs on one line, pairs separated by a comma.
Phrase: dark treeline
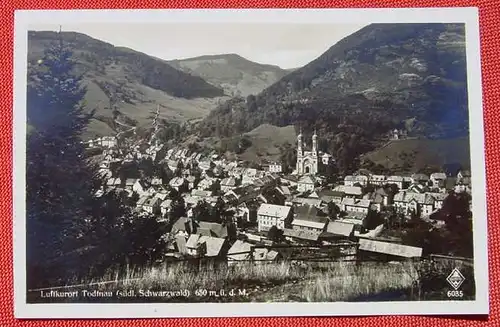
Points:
[[70, 232]]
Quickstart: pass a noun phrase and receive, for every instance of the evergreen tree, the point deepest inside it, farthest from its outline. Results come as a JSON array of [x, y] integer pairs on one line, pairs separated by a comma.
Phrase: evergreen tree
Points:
[[60, 184]]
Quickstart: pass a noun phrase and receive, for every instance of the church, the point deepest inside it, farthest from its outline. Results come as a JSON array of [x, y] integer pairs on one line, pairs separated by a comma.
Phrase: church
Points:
[[310, 162]]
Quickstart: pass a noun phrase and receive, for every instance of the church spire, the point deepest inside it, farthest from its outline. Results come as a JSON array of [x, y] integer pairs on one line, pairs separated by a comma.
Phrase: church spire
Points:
[[314, 142]]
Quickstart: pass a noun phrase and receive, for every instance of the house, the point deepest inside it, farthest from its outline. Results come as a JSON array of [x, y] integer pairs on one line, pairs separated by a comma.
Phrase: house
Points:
[[263, 255], [172, 165], [306, 183], [275, 167], [328, 196], [396, 180], [388, 250], [206, 246], [410, 202], [191, 180], [156, 181], [205, 165], [422, 179], [206, 183], [357, 180], [192, 246], [110, 182], [301, 235], [178, 183], [418, 188], [437, 178], [378, 180], [239, 251], [213, 246], [242, 194], [301, 201], [201, 194], [213, 229], [109, 141], [228, 184], [307, 219], [379, 199], [246, 212], [141, 187], [165, 206], [463, 174], [285, 190], [184, 225], [438, 199], [349, 191], [152, 205], [336, 229], [270, 215], [142, 200], [355, 205]]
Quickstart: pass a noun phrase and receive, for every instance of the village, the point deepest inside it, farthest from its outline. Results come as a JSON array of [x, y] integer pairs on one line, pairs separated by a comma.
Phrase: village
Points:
[[234, 213]]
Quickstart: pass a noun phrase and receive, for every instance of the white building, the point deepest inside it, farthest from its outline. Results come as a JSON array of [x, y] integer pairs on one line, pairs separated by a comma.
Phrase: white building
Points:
[[409, 202], [350, 180], [275, 168], [306, 183], [355, 205], [270, 215]]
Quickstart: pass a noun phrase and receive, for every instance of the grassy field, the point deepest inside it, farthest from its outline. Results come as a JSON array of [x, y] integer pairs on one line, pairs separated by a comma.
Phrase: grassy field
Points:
[[418, 153], [266, 140], [275, 282]]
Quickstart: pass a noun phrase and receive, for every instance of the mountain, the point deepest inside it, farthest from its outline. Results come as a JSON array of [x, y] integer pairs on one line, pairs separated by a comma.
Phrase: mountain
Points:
[[385, 76], [127, 86], [231, 72]]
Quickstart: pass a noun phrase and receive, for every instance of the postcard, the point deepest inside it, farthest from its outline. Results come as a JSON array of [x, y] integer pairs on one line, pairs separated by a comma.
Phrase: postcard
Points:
[[216, 163]]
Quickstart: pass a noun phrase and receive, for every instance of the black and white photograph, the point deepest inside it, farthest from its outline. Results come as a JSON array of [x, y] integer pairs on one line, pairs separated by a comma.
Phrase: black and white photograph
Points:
[[187, 163]]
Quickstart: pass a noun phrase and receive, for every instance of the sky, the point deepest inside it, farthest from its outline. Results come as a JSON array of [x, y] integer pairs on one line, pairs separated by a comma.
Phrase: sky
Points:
[[284, 45]]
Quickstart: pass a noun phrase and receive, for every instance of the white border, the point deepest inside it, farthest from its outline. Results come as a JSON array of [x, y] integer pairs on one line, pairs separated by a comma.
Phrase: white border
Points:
[[469, 16]]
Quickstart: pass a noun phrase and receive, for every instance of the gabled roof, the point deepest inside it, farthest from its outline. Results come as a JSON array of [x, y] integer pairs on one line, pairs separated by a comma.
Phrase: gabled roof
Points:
[[229, 181], [420, 177], [152, 201], [142, 200], [273, 210], [192, 242], [263, 254], [399, 250], [130, 181], [378, 178], [176, 181], [213, 245], [307, 179], [356, 202], [215, 229], [438, 176], [408, 197], [308, 201], [166, 203], [318, 224], [239, 251], [350, 190], [395, 179], [303, 235], [340, 228]]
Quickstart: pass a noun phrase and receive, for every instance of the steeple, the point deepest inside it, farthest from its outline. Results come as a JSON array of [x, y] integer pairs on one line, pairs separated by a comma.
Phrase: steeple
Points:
[[299, 142], [315, 142]]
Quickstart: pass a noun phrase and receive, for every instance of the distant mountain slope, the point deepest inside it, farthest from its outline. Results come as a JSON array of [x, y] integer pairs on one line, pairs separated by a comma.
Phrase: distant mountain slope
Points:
[[130, 82], [235, 74], [385, 76], [415, 154]]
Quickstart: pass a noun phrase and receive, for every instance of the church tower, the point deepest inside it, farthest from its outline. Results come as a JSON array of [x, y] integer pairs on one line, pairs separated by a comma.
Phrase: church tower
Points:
[[315, 144], [299, 167]]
